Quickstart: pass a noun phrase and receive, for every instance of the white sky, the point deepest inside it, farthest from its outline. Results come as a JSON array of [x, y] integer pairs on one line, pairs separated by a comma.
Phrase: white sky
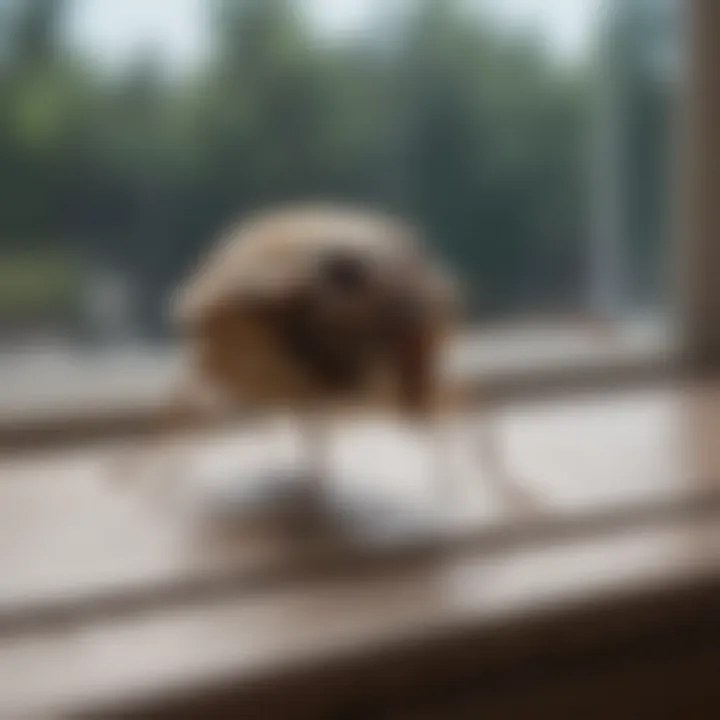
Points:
[[113, 30]]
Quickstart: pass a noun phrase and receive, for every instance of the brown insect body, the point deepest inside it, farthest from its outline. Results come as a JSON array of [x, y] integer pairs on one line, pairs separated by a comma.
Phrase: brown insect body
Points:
[[317, 308], [313, 306]]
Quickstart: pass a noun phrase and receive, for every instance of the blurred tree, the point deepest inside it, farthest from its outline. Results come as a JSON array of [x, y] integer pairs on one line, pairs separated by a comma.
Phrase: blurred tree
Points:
[[493, 139], [477, 135]]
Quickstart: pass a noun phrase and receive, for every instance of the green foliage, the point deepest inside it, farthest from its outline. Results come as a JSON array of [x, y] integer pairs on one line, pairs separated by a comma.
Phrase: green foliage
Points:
[[38, 285], [479, 137]]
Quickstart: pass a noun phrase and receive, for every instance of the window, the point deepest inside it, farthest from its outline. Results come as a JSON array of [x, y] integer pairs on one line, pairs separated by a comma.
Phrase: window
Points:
[[536, 141], [531, 141]]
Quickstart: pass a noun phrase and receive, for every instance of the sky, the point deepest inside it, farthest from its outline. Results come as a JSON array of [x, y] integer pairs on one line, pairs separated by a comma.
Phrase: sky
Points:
[[113, 30]]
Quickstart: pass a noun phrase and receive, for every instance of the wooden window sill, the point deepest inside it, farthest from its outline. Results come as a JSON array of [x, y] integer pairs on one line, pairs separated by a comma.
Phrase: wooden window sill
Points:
[[110, 600]]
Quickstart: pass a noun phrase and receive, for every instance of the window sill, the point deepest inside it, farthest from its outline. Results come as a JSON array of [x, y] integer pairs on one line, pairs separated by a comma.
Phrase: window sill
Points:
[[617, 563], [57, 394]]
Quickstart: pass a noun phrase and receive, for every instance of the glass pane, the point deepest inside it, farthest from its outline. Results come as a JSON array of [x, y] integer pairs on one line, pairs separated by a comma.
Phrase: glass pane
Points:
[[530, 139], [638, 69]]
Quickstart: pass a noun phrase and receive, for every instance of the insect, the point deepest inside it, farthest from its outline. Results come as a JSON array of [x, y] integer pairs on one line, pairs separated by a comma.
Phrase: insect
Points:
[[313, 309]]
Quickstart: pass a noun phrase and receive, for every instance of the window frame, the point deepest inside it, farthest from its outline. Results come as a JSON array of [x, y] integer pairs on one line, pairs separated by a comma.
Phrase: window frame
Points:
[[694, 324]]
